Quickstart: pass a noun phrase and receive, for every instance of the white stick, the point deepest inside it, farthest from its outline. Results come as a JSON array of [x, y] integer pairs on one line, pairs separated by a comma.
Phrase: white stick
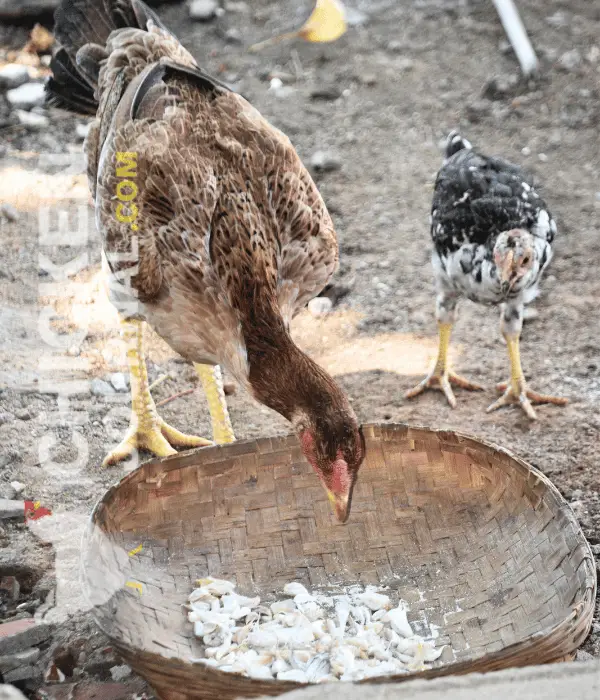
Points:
[[513, 26]]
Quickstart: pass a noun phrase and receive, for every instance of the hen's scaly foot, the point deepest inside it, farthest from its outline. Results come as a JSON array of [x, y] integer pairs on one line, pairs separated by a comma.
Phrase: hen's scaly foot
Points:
[[156, 436], [520, 394], [443, 381]]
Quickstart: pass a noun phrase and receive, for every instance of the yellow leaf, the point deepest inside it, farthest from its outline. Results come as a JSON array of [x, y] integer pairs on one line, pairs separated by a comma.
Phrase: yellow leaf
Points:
[[327, 22]]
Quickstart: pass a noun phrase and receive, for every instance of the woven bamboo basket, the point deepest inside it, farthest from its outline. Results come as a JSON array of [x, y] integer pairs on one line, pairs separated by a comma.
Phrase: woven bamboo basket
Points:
[[480, 544]]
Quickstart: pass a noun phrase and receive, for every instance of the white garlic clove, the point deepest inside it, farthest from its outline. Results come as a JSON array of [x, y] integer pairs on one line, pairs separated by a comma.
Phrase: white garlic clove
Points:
[[279, 666], [301, 658], [294, 588], [292, 675], [374, 601], [399, 621], [283, 606], [260, 672], [342, 609], [262, 639], [216, 586]]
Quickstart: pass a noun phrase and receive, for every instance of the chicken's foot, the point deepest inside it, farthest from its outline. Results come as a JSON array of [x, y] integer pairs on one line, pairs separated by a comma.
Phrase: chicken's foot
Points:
[[441, 377], [516, 390], [212, 381], [147, 430]]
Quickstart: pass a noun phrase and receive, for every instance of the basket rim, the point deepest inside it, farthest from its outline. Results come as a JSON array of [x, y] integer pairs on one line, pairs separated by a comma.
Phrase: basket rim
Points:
[[580, 617]]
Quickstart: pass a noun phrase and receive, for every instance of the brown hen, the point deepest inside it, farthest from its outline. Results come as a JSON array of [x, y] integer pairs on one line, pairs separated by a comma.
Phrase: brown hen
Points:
[[213, 231]]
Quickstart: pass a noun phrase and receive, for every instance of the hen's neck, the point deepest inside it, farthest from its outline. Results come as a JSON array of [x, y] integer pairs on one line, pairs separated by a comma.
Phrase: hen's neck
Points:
[[282, 376]]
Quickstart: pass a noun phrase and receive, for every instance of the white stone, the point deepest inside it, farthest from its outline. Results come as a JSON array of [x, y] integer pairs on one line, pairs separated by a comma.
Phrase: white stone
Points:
[[31, 120], [203, 10], [13, 75], [26, 96], [320, 306], [81, 131]]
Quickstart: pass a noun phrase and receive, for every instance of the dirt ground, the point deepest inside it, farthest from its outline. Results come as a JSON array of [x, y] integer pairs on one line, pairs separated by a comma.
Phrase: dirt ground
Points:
[[379, 100]]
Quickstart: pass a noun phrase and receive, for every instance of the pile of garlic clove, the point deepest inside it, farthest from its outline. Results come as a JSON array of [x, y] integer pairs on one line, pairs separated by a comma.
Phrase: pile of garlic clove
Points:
[[306, 638]]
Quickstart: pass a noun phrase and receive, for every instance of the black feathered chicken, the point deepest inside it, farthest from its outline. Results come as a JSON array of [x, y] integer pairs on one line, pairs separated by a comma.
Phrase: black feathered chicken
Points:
[[492, 236]]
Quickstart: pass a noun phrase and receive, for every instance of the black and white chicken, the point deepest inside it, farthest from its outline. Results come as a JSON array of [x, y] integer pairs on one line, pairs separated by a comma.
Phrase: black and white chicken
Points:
[[492, 235]]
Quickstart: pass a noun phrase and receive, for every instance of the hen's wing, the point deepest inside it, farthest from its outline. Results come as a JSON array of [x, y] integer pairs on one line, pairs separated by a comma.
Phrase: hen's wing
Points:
[[224, 202], [477, 197]]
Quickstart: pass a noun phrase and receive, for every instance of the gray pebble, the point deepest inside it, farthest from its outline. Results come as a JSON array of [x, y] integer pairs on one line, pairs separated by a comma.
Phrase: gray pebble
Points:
[[570, 60], [119, 381], [9, 212], [325, 161], [120, 673], [99, 387], [6, 417]]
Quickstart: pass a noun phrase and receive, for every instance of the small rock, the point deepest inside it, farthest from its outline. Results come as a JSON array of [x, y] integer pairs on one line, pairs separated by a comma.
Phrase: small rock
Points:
[[6, 417], [23, 414], [17, 486], [9, 212], [120, 673], [31, 120], [82, 130], [320, 306], [526, 151], [326, 93], [499, 87], [355, 18], [13, 75], [11, 588], [583, 656], [325, 161], [233, 36], [405, 64], [99, 387], [7, 492], [229, 388], [119, 381], [11, 509], [570, 61], [558, 19], [369, 79], [26, 96], [396, 46], [593, 55], [542, 157], [203, 10], [477, 110]]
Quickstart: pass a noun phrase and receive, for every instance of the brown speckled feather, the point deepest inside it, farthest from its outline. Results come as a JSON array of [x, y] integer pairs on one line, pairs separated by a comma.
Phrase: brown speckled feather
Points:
[[228, 215]]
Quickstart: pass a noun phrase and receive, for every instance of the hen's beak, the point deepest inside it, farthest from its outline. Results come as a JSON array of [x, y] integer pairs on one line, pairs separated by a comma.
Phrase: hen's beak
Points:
[[340, 504], [506, 269]]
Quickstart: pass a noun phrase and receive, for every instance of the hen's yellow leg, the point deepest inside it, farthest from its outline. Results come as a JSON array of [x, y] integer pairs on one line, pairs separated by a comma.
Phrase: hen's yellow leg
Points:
[[147, 430], [441, 377], [212, 381], [516, 390]]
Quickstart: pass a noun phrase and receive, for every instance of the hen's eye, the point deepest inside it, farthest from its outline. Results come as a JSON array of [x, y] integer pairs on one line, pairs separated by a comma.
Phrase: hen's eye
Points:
[[526, 260]]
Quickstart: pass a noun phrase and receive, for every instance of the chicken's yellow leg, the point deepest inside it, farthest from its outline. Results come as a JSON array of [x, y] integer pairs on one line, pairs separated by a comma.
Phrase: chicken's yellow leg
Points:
[[212, 381], [441, 377], [147, 430], [517, 391]]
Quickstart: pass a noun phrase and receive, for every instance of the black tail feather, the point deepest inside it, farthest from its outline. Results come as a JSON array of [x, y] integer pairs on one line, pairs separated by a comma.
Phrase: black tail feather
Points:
[[79, 23]]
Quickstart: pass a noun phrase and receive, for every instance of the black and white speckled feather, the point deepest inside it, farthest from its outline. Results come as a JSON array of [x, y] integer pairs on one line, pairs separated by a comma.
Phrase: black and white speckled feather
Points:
[[476, 199]]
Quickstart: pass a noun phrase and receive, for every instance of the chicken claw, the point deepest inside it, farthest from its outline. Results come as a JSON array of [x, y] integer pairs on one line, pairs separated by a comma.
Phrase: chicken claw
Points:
[[157, 437], [523, 396], [444, 382]]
